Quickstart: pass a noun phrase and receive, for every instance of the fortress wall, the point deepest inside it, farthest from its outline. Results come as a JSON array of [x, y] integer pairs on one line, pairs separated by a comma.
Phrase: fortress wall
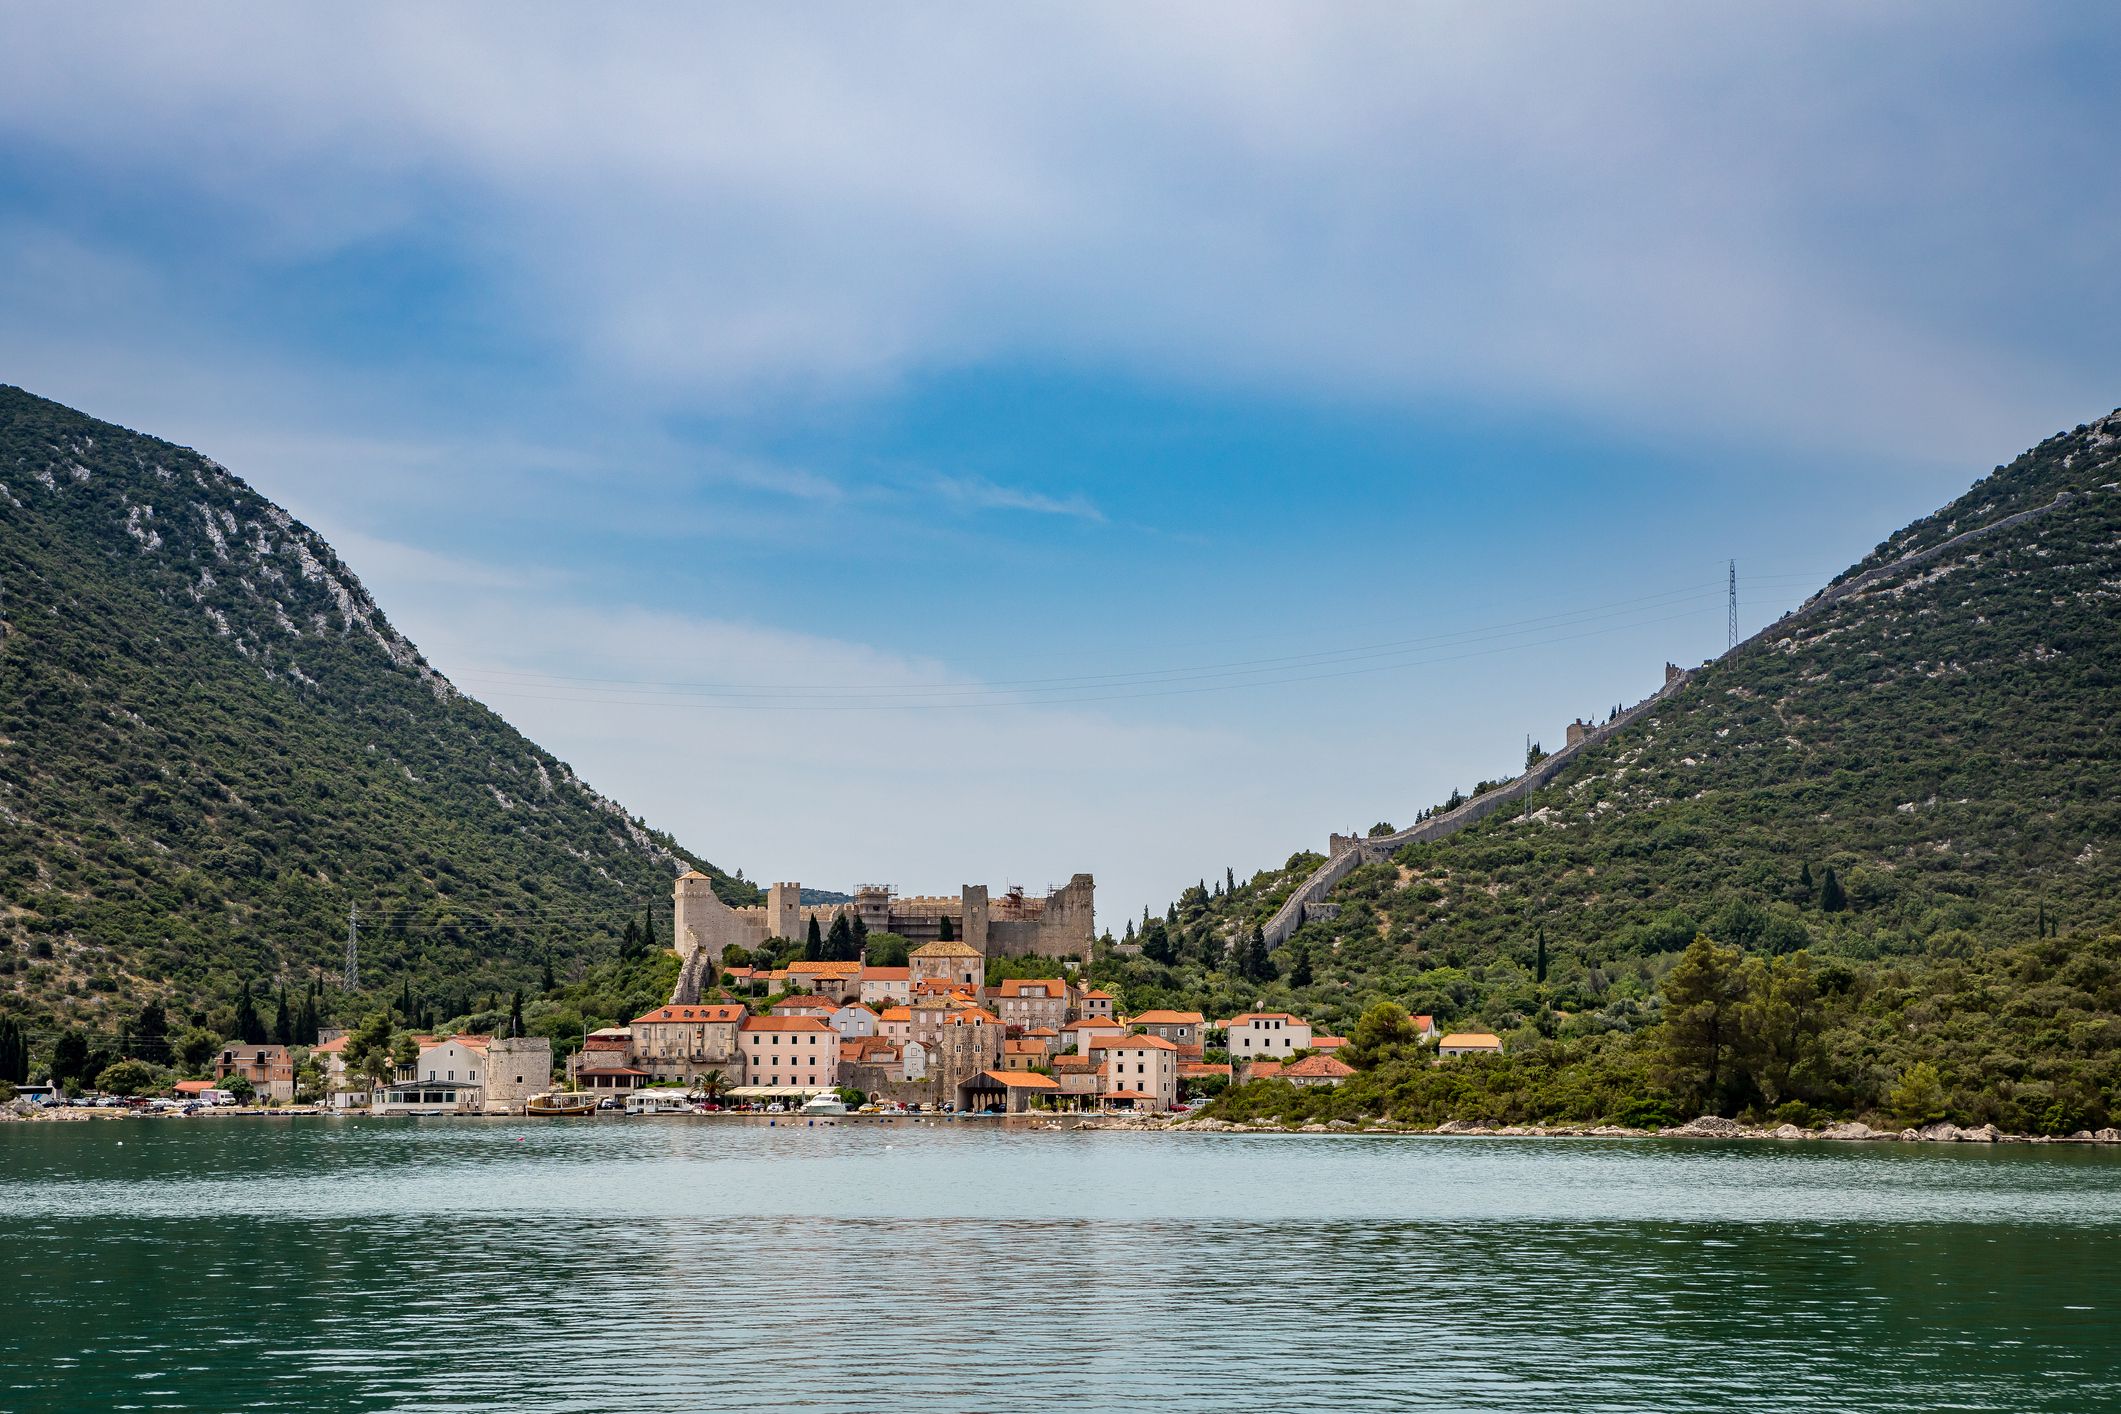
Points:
[[1345, 852]]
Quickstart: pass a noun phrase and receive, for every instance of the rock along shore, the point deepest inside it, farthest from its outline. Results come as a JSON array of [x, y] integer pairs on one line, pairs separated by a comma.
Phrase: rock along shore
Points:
[[1706, 1127]]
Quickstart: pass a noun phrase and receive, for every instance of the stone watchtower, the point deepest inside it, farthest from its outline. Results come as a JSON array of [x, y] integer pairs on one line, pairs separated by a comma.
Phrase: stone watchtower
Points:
[[975, 930], [784, 911]]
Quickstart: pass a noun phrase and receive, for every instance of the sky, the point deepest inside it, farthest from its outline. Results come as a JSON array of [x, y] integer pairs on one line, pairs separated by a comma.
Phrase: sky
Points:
[[931, 445]]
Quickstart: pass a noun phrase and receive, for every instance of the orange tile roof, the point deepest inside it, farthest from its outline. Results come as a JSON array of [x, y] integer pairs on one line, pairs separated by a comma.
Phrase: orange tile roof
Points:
[[1100, 993], [824, 969], [1262, 1070], [886, 974], [1476, 1040], [193, 1087], [785, 1023], [1021, 1079], [1196, 1070], [1423, 1020], [1042, 1031], [1022, 1048], [1328, 1043], [1050, 987], [1166, 1018], [1154, 1043], [971, 1016], [717, 1011], [1319, 1067], [606, 1043], [1266, 1016], [329, 1048], [897, 1013], [806, 1002]]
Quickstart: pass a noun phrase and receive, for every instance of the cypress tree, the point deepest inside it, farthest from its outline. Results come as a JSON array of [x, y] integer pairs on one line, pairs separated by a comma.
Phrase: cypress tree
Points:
[[14, 1051], [857, 943], [813, 940], [515, 1014], [1541, 966], [648, 943], [1831, 898], [307, 1022], [948, 931], [1230, 878], [283, 1021], [630, 941], [837, 942], [1300, 973], [249, 1030], [1804, 881]]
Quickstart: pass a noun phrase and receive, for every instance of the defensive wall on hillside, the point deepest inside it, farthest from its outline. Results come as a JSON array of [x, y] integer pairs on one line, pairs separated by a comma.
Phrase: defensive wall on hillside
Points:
[[1346, 852]]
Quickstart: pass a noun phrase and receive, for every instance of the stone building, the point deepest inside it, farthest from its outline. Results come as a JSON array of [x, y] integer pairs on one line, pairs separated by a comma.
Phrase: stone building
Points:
[[685, 1044], [954, 963], [517, 1067], [1061, 924]]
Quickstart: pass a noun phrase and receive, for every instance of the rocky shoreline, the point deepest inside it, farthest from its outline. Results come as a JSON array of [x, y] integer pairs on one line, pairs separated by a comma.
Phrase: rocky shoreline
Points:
[[1706, 1127]]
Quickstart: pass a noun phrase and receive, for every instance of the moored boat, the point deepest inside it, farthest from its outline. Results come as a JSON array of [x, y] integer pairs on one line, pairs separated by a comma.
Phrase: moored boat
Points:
[[561, 1102]]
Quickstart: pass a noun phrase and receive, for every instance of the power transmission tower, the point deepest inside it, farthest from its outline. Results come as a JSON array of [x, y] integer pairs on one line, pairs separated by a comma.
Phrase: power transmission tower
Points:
[[1733, 630], [353, 956]]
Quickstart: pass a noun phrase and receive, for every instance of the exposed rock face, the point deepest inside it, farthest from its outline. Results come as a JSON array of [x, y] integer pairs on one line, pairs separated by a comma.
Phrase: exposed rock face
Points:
[[1849, 1129], [1708, 1127], [1789, 1131], [1981, 1134], [1942, 1132]]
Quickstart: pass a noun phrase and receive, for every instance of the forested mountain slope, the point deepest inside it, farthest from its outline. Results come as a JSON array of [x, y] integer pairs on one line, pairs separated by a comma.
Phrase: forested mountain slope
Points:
[[212, 742], [1925, 769]]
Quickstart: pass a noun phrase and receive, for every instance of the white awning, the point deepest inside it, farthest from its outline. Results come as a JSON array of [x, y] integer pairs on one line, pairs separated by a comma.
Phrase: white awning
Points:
[[777, 1092]]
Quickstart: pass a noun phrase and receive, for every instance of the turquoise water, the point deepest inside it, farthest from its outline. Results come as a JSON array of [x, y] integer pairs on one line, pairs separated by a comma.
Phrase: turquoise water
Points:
[[676, 1264]]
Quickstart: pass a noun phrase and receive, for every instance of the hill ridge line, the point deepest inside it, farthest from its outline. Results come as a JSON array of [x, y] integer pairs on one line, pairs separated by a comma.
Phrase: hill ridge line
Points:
[[1347, 852]]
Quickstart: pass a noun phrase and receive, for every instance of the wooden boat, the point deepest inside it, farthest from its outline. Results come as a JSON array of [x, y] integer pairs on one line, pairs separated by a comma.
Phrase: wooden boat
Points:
[[561, 1102]]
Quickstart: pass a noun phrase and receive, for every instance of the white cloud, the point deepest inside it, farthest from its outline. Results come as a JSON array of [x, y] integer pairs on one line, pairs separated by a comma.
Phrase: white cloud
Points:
[[1664, 216], [880, 793], [981, 494]]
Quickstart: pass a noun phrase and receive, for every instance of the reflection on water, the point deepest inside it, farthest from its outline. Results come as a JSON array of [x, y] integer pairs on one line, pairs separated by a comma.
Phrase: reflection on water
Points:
[[653, 1265]]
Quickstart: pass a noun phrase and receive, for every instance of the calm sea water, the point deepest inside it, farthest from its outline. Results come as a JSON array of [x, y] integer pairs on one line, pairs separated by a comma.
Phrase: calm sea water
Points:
[[671, 1264]]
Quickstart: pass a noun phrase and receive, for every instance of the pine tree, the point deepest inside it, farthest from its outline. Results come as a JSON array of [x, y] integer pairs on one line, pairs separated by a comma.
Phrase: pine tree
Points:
[[69, 1057], [249, 1030], [151, 1034], [1831, 898]]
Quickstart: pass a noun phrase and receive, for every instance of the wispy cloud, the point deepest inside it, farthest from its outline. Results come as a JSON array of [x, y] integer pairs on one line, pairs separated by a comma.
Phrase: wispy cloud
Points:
[[977, 493]]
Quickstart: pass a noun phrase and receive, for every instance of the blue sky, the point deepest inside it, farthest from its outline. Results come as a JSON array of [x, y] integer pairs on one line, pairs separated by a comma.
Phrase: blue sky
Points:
[[932, 445]]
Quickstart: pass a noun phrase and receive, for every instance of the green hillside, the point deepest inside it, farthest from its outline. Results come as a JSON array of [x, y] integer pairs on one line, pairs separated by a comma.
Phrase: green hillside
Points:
[[1905, 784], [212, 743]]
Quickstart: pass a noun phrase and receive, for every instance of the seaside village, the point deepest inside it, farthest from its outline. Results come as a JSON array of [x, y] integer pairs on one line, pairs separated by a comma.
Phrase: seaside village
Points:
[[931, 1035]]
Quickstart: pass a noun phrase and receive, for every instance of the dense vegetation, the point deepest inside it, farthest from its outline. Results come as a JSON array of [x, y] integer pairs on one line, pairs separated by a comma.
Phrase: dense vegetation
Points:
[[213, 744], [1911, 786], [2025, 1037]]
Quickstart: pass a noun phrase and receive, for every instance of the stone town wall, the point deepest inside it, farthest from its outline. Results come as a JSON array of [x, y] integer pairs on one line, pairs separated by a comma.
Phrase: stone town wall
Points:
[[1345, 852]]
